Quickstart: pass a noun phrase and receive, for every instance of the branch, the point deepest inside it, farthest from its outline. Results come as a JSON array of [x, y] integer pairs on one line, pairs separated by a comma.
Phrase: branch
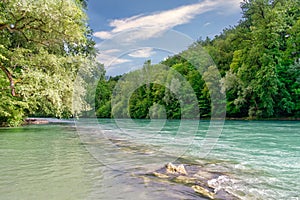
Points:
[[3, 26], [11, 80]]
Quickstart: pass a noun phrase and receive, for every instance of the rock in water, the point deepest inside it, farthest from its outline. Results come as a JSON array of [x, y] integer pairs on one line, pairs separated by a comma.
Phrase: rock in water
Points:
[[159, 175], [204, 192], [172, 169], [208, 184], [181, 169]]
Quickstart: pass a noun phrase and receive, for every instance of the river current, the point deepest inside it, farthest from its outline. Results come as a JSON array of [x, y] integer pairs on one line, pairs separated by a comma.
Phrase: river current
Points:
[[112, 160]]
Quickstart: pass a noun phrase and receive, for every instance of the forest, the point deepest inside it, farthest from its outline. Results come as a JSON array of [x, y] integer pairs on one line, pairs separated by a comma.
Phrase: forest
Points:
[[44, 44], [259, 62]]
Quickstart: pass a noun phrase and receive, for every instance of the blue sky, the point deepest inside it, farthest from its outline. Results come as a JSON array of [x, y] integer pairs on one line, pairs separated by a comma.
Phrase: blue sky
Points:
[[127, 31]]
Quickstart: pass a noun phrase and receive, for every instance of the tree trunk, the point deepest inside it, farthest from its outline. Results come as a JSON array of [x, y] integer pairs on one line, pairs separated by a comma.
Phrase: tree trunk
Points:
[[11, 80]]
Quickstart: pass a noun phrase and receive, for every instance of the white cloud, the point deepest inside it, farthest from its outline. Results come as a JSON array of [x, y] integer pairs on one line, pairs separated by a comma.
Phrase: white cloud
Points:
[[154, 24], [142, 53], [235, 5], [110, 51], [102, 35], [148, 26], [135, 29], [108, 59], [207, 24]]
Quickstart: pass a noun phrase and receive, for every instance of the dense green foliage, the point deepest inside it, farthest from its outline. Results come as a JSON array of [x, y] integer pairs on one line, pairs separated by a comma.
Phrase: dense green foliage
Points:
[[258, 60], [42, 46], [262, 58], [155, 91]]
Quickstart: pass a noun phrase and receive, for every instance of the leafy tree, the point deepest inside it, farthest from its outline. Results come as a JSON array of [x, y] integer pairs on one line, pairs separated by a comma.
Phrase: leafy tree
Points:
[[42, 46], [260, 62]]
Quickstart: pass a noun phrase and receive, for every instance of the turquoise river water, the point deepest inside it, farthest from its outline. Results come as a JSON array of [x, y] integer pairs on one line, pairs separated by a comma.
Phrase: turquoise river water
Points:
[[111, 160]]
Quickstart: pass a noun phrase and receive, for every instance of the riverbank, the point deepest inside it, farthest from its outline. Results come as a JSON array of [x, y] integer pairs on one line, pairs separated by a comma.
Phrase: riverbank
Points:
[[263, 119], [38, 120]]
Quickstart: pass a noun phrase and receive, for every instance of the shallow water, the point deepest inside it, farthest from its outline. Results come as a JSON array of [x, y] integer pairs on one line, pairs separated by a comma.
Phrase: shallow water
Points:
[[44, 162], [111, 160]]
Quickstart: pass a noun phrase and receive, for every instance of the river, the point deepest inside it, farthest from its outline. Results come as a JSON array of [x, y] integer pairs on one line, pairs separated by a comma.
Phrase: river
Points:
[[110, 160]]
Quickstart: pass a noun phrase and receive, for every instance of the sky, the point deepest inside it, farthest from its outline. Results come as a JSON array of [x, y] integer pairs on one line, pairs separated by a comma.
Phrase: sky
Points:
[[129, 32]]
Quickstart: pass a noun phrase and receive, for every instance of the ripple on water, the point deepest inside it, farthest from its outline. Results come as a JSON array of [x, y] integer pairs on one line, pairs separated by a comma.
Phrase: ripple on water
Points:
[[262, 160]]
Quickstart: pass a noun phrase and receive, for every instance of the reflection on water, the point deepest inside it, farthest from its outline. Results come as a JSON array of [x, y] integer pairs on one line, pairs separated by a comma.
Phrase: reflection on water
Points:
[[102, 161]]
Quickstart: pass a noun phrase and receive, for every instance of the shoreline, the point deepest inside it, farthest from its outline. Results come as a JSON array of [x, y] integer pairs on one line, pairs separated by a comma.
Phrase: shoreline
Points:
[[45, 120], [264, 119], [30, 120]]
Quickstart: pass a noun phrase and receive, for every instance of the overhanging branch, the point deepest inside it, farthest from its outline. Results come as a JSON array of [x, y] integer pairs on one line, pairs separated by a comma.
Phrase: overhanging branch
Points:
[[11, 80]]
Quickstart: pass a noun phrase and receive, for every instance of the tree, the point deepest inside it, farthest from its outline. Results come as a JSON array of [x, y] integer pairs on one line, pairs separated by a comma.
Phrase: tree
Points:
[[42, 46], [260, 62]]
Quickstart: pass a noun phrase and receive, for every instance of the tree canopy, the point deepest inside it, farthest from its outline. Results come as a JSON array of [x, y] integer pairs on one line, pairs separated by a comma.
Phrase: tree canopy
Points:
[[45, 44], [42, 46]]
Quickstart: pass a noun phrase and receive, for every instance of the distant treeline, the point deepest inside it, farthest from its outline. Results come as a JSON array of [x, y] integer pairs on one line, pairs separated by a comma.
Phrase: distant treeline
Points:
[[258, 59]]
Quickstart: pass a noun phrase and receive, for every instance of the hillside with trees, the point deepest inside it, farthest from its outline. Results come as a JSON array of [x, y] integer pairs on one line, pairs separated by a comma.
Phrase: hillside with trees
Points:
[[259, 61], [44, 44]]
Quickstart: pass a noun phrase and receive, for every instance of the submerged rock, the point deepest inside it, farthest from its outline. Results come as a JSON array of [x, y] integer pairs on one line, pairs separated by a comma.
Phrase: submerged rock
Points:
[[208, 184], [159, 175], [185, 180], [203, 191]]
